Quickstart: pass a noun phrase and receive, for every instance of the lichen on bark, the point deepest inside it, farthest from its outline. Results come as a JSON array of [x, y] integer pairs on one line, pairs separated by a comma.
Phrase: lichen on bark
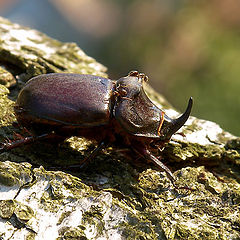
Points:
[[117, 195]]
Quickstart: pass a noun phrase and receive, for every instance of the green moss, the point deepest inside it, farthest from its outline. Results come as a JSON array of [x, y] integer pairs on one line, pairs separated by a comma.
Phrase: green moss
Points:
[[10, 207], [233, 144], [31, 236], [6, 78], [7, 179], [63, 216], [6, 107], [23, 212], [193, 151], [94, 217], [72, 234], [11, 174], [138, 228], [7, 208]]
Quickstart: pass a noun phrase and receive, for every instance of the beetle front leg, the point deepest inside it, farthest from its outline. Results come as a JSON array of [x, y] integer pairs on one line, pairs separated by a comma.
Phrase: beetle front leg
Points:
[[144, 152]]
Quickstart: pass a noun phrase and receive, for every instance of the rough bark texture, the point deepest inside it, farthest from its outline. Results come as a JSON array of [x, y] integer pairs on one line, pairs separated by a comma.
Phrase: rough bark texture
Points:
[[116, 196]]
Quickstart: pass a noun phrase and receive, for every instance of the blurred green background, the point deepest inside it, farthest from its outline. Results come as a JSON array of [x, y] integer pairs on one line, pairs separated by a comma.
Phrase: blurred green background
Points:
[[187, 48]]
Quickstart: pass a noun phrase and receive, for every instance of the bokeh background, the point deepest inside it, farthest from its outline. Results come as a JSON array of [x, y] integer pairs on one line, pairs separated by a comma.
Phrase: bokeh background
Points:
[[186, 47]]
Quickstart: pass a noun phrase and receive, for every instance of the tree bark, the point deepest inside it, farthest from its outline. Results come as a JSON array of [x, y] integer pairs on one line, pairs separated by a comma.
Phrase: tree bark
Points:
[[116, 196]]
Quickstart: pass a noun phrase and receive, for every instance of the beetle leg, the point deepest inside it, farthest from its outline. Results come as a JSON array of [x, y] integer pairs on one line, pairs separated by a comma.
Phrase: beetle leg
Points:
[[100, 146], [25, 140], [144, 152]]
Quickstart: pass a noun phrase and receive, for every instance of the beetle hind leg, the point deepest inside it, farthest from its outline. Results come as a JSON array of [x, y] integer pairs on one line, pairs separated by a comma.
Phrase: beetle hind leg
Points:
[[8, 145]]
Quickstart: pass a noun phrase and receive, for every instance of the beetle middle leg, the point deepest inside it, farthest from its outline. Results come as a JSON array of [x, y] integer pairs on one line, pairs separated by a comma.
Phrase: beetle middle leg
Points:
[[100, 146]]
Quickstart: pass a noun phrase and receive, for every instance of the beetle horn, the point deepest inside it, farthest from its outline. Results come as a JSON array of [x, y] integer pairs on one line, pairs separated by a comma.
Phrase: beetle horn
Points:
[[179, 122]]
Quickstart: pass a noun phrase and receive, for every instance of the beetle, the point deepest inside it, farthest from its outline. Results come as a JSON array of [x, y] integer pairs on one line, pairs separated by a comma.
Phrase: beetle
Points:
[[61, 105]]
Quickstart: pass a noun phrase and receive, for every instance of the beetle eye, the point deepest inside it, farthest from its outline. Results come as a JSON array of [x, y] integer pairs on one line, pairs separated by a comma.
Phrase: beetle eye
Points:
[[143, 77]]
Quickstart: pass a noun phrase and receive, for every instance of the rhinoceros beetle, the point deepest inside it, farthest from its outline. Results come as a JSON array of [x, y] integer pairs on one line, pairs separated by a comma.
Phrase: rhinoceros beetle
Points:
[[61, 105]]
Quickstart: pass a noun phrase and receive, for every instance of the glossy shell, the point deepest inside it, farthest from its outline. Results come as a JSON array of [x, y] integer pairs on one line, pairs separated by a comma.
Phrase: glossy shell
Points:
[[134, 110], [68, 99]]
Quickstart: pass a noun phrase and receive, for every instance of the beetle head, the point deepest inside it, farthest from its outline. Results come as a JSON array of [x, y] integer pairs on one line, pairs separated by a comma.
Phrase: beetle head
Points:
[[139, 117]]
